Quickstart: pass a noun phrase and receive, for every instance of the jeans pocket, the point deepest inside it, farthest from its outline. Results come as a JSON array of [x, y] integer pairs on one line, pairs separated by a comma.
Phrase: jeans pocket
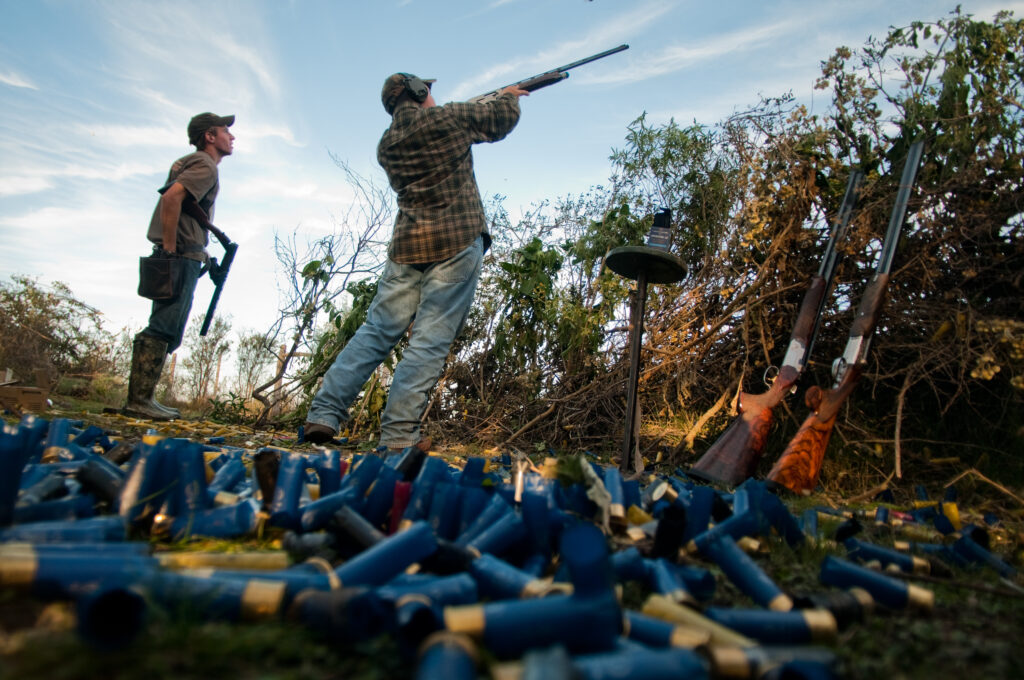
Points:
[[392, 271], [462, 267]]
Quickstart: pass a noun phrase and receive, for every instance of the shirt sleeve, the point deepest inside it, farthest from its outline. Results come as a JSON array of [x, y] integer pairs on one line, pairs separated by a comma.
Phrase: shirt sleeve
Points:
[[197, 177], [490, 121]]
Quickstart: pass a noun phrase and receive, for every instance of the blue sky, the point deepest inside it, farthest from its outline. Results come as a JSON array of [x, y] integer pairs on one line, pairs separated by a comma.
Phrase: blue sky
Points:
[[95, 97]]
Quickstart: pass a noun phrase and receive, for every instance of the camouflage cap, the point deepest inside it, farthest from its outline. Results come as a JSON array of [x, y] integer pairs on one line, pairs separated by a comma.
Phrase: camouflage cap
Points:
[[394, 86], [202, 122]]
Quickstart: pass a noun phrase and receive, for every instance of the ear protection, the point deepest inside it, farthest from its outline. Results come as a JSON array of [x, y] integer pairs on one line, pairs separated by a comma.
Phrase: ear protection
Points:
[[416, 88]]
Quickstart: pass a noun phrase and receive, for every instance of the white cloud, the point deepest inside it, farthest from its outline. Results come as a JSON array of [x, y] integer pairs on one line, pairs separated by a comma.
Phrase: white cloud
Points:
[[133, 135], [19, 185], [252, 60], [605, 35], [681, 56], [41, 177], [258, 131], [293, 188], [14, 80]]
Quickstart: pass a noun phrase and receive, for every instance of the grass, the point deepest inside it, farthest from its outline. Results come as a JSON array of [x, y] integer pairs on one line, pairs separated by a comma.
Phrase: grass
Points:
[[183, 649]]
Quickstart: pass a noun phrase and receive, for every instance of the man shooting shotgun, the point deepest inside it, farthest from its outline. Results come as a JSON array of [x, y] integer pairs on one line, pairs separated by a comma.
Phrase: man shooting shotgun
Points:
[[435, 255], [548, 77], [798, 468], [734, 455]]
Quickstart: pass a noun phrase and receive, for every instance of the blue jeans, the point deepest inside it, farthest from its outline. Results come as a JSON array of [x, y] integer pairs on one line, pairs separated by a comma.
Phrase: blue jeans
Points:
[[167, 319], [438, 298]]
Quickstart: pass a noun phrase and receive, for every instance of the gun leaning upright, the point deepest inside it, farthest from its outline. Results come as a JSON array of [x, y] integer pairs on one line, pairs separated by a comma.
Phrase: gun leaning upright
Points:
[[548, 77], [734, 455], [800, 464], [230, 248]]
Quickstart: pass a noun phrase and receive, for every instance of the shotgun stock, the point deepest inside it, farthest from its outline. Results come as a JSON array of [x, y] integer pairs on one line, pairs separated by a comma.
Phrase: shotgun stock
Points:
[[735, 454], [798, 468], [230, 248]]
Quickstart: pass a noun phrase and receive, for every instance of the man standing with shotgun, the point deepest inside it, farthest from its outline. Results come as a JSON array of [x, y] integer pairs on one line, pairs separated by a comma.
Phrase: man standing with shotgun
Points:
[[179, 238], [434, 258]]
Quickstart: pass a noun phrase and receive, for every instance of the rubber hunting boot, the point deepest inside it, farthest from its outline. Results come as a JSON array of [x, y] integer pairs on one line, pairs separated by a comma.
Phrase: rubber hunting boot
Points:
[[148, 354]]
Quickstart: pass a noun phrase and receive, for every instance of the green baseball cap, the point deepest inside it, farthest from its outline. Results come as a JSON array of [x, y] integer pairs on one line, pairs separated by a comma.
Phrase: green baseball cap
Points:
[[202, 122]]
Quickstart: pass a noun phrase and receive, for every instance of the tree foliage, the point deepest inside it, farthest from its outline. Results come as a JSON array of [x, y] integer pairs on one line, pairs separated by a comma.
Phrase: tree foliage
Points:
[[202, 363], [50, 330], [253, 357], [317, 275]]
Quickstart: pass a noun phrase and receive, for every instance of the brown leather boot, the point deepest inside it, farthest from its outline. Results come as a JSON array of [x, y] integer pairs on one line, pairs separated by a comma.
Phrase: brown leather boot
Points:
[[315, 433]]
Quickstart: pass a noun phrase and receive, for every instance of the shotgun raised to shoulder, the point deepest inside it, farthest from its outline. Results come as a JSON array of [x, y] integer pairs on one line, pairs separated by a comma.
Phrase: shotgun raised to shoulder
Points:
[[800, 464], [548, 77], [734, 455]]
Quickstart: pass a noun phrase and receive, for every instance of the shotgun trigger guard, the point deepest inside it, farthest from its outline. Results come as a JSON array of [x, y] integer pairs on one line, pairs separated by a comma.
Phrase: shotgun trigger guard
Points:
[[770, 374], [217, 272], [839, 367]]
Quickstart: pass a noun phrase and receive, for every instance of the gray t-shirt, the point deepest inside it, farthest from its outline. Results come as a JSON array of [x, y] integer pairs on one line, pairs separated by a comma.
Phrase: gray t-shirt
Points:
[[197, 173]]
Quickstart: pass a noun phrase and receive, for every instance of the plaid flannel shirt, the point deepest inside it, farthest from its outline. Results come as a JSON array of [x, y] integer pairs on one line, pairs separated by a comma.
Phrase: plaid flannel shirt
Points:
[[427, 156]]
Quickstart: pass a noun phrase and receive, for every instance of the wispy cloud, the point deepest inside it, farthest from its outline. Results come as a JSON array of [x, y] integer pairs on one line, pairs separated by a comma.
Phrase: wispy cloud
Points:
[[20, 185], [133, 135], [622, 27], [14, 80], [676, 58], [251, 60], [224, 71], [259, 131], [30, 180], [299, 188]]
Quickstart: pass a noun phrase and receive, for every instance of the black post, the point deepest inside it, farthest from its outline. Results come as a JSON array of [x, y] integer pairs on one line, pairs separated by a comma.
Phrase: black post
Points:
[[636, 336], [650, 263]]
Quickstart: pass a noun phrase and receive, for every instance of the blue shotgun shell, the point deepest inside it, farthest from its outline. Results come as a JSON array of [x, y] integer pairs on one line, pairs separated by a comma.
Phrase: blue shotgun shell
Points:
[[794, 627], [747, 575], [385, 560], [891, 592], [447, 655]]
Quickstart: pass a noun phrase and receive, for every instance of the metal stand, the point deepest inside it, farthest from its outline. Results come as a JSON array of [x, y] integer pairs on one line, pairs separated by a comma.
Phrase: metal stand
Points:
[[652, 263]]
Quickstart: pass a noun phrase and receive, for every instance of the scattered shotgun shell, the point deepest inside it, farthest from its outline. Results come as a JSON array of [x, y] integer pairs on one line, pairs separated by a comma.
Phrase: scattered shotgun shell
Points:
[[886, 590], [665, 609], [265, 560], [657, 632], [747, 575], [862, 551], [447, 655], [778, 628]]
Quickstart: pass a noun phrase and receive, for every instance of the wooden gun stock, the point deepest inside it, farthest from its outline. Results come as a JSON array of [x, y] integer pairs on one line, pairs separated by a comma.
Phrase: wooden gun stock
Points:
[[735, 454], [798, 467], [800, 464]]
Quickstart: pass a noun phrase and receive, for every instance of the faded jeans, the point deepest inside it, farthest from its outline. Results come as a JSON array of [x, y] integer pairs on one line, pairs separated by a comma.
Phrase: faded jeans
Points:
[[167, 320], [438, 298]]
